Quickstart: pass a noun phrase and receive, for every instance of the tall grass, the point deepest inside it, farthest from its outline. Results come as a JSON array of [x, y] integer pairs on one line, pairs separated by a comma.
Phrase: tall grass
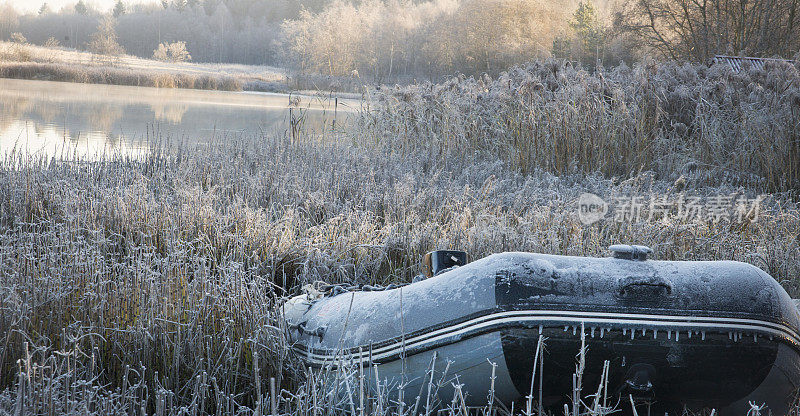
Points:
[[708, 124], [134, 285], [165, 271]]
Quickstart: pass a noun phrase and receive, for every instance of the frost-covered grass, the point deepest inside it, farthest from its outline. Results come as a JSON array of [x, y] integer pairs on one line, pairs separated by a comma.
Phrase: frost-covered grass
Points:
[[710, 125], [132, 285]]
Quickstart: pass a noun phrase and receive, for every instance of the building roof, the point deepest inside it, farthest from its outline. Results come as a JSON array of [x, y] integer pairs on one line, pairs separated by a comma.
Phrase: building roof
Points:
[[737, 63]]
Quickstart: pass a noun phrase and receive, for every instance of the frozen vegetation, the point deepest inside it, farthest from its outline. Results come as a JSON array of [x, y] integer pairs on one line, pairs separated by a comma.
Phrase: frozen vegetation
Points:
[[709, 125], [149, 285]]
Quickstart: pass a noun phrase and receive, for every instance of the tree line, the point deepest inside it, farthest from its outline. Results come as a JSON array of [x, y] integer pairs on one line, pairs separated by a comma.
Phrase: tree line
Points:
[[390, 40], [237, 31]]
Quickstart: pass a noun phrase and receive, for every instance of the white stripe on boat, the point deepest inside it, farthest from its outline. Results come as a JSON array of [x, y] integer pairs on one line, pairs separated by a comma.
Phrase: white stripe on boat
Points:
[[509, 318]]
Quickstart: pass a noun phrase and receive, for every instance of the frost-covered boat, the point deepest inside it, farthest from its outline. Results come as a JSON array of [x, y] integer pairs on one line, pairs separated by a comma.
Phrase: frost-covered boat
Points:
[[678, 333]]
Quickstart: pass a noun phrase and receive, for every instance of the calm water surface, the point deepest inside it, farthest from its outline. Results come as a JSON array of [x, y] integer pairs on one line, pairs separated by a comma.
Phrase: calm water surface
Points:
[[42, 117]]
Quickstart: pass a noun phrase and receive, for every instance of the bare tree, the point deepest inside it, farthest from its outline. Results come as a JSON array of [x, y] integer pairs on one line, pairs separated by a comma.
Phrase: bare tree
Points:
[[700, 29], [388, 38]]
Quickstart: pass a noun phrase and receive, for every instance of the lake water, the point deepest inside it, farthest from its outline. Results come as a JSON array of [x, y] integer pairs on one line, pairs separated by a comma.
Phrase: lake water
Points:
[[42, 117]]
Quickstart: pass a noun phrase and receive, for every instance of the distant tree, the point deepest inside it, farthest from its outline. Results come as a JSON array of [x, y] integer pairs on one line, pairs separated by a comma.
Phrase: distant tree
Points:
[[561, 47], [193, 3], [172, 52], [9, 20], [81, 8], [119, 8], [588, 33], [17, 37], [44, 9], [386, 38], [165, 4], [104, 41]]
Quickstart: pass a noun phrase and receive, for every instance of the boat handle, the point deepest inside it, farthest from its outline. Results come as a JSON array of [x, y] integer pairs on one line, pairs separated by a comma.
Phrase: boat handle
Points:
[[625, 287], [301, 328]]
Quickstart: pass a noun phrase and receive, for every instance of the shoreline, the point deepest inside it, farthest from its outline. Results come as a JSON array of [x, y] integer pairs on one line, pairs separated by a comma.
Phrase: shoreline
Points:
[[314, 100], [110, 75], [32, 62]]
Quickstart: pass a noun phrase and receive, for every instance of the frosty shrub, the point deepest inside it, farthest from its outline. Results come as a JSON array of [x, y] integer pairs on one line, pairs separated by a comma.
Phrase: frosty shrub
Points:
[[52, 42], [172, 52], [17, 50], [18, 38]]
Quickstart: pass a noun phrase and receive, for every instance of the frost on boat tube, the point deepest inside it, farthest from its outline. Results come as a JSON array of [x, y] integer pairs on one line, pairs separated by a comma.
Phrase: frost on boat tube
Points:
[[696, 334]]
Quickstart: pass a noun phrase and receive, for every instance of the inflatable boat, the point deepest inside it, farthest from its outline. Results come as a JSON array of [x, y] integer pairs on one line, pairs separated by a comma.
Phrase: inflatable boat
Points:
[[676, 334]]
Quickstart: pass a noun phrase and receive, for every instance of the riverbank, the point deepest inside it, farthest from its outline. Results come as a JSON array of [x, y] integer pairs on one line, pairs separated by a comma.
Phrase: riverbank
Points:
[[25, 61], [117, 76]]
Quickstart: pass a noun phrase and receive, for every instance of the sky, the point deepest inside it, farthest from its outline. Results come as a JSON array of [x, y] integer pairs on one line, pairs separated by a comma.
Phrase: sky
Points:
[[34, 5]]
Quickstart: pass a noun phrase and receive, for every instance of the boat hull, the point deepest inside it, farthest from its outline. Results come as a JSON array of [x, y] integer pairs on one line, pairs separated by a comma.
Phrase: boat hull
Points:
[[701, 334], [729, 377]]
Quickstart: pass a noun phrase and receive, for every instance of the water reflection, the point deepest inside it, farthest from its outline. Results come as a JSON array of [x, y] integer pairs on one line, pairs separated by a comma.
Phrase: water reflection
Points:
[[102, 118], [170, 113], [42, 117]]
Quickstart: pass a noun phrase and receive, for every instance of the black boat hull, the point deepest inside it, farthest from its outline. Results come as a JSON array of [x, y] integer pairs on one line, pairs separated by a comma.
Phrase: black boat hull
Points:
[[729, 377], [700, 334]]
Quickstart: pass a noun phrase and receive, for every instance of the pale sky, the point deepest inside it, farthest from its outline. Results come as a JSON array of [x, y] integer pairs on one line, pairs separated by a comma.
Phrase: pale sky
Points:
[[34, 5]]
